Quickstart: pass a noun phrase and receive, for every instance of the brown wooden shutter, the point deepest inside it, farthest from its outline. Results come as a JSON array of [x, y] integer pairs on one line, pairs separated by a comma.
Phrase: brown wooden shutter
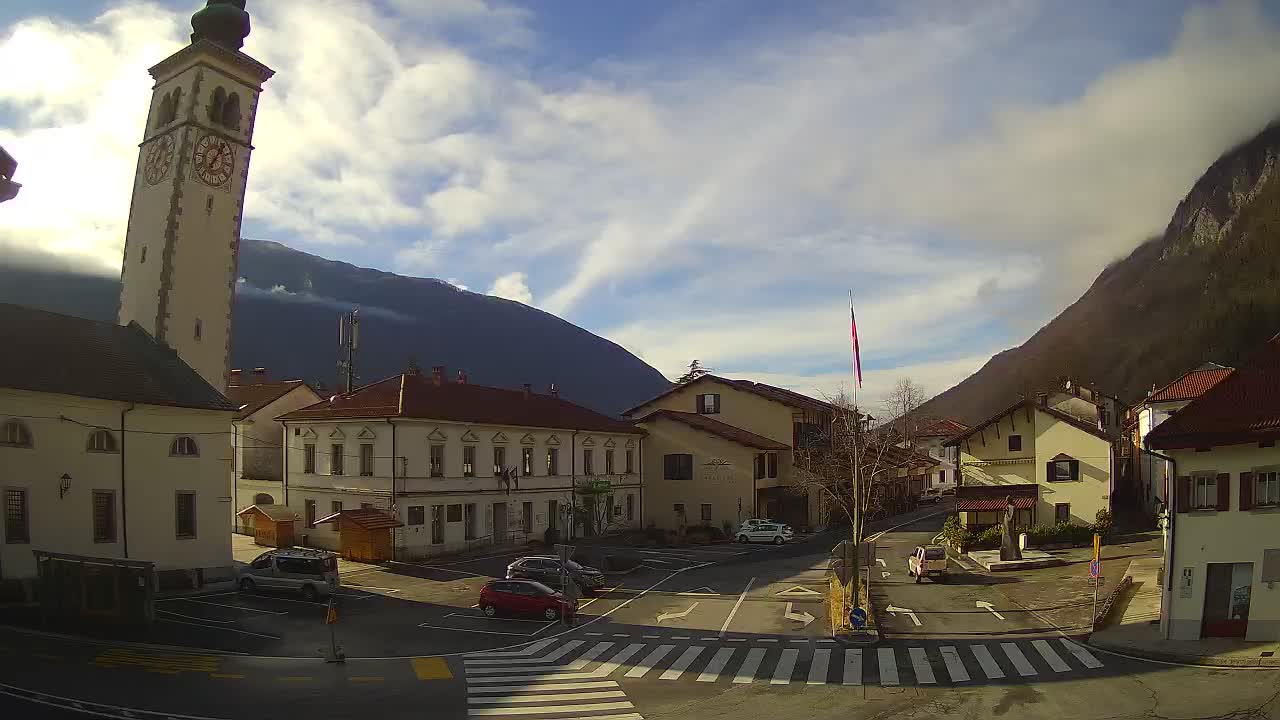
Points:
[[1182, 494], [1224, 491], [1075, 470], [1246, 490], [1048, 472], [716, 400]]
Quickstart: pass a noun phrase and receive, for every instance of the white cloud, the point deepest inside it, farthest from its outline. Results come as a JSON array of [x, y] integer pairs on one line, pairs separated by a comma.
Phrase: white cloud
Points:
[[513, 286]]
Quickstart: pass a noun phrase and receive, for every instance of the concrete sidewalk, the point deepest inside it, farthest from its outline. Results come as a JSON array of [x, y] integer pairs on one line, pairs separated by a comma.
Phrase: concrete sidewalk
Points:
[[1136, 630]]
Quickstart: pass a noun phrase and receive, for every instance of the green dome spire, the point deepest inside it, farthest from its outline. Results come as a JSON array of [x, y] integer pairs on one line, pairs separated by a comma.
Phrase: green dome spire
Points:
[[225, 22]]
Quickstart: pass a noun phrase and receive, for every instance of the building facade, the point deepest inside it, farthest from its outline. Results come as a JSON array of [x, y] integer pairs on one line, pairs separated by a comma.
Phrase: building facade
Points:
[[257, 450], [690, 425], [1222, 555], [110, 447], [460, 465], [1056, 466]]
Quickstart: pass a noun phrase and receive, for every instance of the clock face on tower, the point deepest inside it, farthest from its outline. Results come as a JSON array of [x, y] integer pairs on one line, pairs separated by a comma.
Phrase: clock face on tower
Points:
[[214, 160], [159, 157]]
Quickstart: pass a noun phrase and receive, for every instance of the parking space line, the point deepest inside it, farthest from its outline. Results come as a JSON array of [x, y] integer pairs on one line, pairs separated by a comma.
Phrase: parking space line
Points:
[[486, 617], [482, 632], [194, 617], [736, 605], [273, 598], [214, 627], [233, 607]]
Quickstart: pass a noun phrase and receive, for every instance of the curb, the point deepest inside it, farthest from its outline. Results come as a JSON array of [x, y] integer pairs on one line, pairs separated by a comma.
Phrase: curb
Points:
[[1189, 659]]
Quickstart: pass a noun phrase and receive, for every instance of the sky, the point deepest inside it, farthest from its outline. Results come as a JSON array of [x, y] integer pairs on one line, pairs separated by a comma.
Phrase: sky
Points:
[[695, 179]]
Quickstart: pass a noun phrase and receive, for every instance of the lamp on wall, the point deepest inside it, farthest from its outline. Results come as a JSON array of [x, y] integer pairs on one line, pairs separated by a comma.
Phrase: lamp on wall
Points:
[[65, 486]]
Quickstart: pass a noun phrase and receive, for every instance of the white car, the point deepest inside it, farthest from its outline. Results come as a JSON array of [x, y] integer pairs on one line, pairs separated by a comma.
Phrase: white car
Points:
[[775, 533], [927, 561], [753, 523]]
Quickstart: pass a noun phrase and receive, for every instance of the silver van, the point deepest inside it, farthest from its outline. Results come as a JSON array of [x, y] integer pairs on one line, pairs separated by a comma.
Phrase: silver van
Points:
[[314, 573]]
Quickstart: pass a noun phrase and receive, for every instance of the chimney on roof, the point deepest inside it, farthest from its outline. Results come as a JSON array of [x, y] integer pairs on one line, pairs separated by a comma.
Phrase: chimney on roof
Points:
[[259, 375], [552, 389], [462, 377], [528, 390], [235, 377], [437, 374], [412, 368]]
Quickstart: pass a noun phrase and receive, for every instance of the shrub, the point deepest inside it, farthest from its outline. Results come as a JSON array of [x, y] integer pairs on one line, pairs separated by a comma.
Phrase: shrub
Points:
[[955, 535], [1103, 523], [988, 539]]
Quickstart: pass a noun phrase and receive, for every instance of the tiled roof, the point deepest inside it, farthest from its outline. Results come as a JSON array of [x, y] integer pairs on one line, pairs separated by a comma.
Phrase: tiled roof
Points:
[[417, 396], [279, 513], [53, 353], [1072, 420], [770, 392], [989, 504], [940, 427], [254, 397], [1243, 407], [715, 427], [1190, 385], [367, 518]]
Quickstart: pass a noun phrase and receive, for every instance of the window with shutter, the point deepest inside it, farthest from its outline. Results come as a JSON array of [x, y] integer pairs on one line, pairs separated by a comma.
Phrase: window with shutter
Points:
[[1182, 494], [759, 466], [1246, 490], [1224, 491], [1266, 487]]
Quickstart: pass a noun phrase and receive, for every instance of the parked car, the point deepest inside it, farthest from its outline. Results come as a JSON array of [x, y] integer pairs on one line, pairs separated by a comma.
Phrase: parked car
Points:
[[546, 569], [949, 490], [524, 597], [930, 496], [754, 522], [927, 561], [775, 533], [314, 573]]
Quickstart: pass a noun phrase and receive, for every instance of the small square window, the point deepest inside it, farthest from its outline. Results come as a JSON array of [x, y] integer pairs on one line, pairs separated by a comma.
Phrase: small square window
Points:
[[706, 512], [1015, 443]]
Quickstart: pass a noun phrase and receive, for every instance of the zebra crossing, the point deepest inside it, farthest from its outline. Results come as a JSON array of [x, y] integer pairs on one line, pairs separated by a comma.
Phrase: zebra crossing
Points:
[[567, 677]]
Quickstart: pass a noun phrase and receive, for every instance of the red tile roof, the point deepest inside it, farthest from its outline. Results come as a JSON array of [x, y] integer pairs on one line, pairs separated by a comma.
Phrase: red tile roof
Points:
[[989, 504], [769, 392], [1241, 408], [940, 427], [256, 396], [367, 518], [1068, 418], [417, 396], [1190, 385], [715, 427]]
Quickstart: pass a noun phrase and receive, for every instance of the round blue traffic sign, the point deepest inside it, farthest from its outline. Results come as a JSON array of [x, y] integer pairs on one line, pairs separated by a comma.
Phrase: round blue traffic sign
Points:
[[1093, 568], [858, 617]]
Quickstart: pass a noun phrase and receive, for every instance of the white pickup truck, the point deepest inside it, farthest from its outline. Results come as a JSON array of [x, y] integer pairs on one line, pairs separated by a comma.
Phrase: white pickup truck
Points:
[[927, 561]]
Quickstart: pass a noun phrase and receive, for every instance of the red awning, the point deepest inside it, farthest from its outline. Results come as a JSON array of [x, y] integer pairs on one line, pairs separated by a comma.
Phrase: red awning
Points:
[[992, 504]]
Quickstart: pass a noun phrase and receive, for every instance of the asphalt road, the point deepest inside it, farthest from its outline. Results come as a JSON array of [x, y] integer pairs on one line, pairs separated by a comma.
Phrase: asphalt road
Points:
[[698, 633]]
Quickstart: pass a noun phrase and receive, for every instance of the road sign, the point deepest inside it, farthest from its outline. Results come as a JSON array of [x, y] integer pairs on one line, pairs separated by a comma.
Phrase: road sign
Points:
[[1093, 567], [331, 616], [843, 571], [858, 617], [1097, 546], [565, 552]]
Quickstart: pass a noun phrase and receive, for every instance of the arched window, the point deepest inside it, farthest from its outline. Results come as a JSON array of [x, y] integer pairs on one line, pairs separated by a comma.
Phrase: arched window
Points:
[[184, 446], [15, 434], [216, 102], [173, 106], [231, 112], [263, 499], [101, 441], [162, 111]]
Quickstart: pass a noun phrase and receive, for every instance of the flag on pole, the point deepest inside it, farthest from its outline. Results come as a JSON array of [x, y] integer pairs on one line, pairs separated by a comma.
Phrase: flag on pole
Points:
[[853, 328]]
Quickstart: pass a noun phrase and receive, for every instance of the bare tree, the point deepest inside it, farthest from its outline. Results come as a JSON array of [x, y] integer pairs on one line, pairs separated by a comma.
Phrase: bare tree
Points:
[[902, 405]]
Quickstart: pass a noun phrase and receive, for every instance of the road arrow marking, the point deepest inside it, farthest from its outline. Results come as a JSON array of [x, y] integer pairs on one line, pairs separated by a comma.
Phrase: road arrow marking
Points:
[[881, 562], [884, 574], [681, 614], [905, 611], [797, 591], [800, 617], [987, 605]]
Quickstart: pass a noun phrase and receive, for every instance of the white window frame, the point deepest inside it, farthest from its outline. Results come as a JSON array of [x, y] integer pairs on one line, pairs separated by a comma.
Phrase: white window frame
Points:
[[1266, 488], [184, 446], [1206, 485]]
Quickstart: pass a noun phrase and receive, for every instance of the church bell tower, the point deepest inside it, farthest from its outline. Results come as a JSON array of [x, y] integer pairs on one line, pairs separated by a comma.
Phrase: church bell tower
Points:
[[183, 237]]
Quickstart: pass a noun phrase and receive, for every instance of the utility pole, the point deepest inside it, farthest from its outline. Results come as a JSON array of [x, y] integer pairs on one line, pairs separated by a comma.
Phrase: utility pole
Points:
[[348, 344]]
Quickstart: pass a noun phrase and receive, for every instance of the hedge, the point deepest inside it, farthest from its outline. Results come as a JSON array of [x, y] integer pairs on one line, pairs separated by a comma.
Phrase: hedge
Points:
[[964, 540]]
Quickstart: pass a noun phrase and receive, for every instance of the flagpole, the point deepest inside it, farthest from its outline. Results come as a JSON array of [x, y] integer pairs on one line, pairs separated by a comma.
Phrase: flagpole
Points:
[[856, 575]]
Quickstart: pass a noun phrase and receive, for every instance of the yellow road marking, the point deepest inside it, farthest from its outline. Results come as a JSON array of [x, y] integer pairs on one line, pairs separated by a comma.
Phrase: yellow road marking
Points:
[[164, 671], [227, 676], [432, 668], [367, 679], [159, 662], [297, 678], [44, 656]]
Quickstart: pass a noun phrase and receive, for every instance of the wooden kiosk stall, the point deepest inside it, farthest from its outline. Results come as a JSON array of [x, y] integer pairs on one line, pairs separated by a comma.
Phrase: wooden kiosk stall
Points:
[[365, 535]]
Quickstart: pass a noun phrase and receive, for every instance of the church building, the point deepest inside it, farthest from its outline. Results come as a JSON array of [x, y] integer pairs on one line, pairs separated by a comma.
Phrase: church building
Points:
[[115, 439]]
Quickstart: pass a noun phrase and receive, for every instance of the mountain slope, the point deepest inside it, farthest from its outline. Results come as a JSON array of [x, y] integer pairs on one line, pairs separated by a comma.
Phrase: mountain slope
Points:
[[1208, 289], [286, 314]]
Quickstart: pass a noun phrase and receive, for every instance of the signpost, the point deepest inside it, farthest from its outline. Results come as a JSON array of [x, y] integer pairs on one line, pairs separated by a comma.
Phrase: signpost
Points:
[[334, 655], [567, 586], [858, 617], [1094, 568]]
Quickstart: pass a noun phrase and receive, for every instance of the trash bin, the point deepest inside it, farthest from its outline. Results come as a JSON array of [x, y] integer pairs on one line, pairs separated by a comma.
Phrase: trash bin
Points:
[[1023, 540]]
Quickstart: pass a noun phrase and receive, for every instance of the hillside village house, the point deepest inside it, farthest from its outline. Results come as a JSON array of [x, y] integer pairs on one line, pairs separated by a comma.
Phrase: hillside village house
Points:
[[1056, 465], [257, 460], [930, 438], [431, 453], [1223, 532], [720, 451], [110, 447], [1144, 481]]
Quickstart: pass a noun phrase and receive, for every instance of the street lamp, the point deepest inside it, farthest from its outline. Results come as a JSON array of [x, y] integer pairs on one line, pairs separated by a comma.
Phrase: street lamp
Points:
[[65, 486]]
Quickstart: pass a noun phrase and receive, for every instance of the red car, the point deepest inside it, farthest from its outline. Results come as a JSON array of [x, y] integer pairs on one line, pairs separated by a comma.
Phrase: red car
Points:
[[524, 597]]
